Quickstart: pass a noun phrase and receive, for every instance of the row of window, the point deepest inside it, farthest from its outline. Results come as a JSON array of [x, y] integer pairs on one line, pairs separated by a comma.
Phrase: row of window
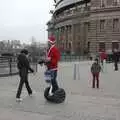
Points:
[[102, 46], [102, 26], [71, 11], [64, 30], [82, 8], [67, 30], [115, 25], [109, 2]]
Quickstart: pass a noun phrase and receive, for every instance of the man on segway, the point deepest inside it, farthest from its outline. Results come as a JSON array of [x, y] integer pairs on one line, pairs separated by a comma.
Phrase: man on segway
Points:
[[51, 61], [53, 56], [52, 93]]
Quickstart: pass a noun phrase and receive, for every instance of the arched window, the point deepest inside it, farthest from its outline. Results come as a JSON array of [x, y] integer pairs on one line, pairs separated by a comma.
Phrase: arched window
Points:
[[116, 2], [103, 3], [115, 45], [101, 46], [88, 46]]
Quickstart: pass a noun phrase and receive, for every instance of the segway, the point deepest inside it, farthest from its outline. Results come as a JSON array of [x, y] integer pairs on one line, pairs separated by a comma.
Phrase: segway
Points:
[[59, 95]]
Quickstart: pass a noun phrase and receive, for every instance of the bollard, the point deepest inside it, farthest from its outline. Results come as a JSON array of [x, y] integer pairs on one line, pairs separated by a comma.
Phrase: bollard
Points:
[[74, 72], [105, 66], [36, 67], [78, 70], [10, 66]]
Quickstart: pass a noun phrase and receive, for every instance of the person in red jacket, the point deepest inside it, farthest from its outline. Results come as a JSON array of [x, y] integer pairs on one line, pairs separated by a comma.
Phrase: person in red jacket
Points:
[[53, 56], [51, 61], [103, 56]]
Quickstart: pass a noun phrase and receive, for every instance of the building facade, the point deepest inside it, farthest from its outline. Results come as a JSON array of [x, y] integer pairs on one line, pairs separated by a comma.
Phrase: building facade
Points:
[[86, 26]]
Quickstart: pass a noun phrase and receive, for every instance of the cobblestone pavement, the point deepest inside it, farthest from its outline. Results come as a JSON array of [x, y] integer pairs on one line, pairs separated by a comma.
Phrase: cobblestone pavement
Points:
[[82, 102]]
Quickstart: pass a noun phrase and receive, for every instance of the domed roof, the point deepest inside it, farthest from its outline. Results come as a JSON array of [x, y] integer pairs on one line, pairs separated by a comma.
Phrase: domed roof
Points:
[[63, 3]]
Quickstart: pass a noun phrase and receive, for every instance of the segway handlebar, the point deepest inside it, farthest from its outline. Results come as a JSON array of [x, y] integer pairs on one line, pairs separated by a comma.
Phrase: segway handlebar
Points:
[[44, 61]]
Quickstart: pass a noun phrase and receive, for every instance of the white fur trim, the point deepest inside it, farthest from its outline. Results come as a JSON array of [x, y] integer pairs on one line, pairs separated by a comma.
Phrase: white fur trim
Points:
[[51, 41]]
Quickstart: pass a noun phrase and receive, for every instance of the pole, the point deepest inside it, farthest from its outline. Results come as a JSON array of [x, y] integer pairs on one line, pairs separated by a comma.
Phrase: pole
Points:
[[74, 72], [78, 70], [10, 65]]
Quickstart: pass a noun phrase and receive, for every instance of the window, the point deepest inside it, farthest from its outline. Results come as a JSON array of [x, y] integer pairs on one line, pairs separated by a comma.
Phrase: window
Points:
[[57, 33], [78, 37], [88, 46], [87, 26], [109, 2], [69, 29], [61, 33], [116, 2], [116, 24], [103, 3], [67, 12], [102, 25], [77, 28], [101, 46], [78, 45], [69, 46], [115, 45]]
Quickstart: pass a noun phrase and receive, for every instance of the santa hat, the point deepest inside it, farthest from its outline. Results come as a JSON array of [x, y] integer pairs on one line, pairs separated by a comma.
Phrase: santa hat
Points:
[[51, 39]]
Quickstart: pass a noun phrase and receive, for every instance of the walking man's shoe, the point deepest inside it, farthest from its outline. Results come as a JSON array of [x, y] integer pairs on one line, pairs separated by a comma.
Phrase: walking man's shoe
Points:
[[19, 99]]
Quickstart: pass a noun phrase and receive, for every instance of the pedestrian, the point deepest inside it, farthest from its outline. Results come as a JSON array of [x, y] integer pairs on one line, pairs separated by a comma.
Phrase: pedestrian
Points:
[[95, 70], [23, 67], [115, 59], [103, 58]]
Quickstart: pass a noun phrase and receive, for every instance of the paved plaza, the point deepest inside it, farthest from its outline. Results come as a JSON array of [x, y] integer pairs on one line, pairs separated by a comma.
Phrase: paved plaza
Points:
[[82, 101]]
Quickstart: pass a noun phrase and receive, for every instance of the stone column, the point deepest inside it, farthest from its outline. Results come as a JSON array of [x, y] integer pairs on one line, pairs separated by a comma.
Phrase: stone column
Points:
[[72, 39], [82, 38], [57, 36], [65, 37]]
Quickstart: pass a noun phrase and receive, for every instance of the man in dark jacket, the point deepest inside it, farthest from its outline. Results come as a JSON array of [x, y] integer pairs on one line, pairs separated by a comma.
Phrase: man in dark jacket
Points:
[[116, 59], [23, 67]]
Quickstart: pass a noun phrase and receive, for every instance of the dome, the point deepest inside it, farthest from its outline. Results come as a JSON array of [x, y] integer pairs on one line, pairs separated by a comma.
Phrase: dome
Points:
[[64, 3]]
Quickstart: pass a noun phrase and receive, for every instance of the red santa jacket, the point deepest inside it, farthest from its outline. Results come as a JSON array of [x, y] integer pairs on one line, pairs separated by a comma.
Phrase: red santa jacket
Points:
[[103, 56], [54, 56]]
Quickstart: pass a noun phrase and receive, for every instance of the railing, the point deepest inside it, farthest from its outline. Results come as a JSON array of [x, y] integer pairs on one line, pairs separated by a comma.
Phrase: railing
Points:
[[84, 11], [8, 66], [72, 58]]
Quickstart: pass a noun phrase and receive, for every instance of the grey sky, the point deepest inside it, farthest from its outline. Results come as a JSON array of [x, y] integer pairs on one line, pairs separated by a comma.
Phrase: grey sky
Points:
[[22, 19]]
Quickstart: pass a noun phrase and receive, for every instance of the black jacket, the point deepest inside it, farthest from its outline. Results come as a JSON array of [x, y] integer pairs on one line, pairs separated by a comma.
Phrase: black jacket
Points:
[[95, 68], [116, 57], [22, 62]]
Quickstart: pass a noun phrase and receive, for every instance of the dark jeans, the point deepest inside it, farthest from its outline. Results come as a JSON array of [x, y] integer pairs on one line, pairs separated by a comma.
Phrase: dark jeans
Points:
[[116, 65], [53, 80], [23, 79], [95, 78], [102, 62]]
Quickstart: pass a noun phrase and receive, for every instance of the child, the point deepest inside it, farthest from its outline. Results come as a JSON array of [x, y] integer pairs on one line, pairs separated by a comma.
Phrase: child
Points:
[[95, 70]]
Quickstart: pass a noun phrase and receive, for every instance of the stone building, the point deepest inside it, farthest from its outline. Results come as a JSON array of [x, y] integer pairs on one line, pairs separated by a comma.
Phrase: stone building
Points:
[[86, 26]]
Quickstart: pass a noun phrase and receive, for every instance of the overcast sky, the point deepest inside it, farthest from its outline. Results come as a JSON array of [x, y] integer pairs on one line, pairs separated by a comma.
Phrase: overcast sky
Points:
[[22, 19]]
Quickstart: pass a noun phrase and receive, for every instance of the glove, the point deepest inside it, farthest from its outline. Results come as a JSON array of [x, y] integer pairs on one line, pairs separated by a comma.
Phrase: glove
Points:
[[32, 70], [47, 62], [41, 62]]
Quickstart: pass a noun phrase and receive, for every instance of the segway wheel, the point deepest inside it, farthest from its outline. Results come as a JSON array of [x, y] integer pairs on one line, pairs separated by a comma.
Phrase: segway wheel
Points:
[[46, 94], [57, 97]]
